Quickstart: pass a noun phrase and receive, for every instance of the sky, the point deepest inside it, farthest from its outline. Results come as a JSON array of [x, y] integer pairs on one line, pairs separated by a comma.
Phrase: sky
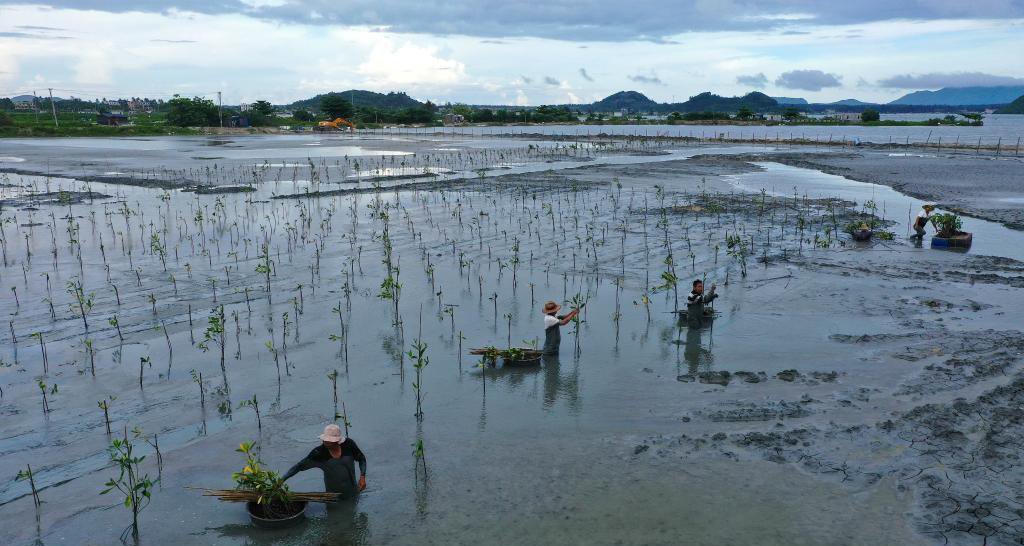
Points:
[[507, 52]]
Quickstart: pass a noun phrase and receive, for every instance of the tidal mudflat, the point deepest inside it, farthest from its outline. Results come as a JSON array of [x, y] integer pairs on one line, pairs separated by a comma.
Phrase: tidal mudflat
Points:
[[845, 392]]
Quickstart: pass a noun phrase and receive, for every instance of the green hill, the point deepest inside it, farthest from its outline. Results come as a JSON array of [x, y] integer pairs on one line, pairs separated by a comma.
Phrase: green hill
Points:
[[1015, 107], [363, 99], [633, 101], [710, 102]]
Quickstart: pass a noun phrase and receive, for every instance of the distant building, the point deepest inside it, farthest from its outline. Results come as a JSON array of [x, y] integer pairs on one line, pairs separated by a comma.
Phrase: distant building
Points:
[[111, 119], [773, 117], [239, 121], [454, 119], [24, 105], [846, 116], [245, 107]]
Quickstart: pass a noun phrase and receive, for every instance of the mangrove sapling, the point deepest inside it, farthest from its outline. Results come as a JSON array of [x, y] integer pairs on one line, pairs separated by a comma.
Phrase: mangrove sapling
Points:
[[43, 387], [143, 362], [87, 343], [419, 358], [255, 405], [215, 333], [130, 482], [83, 301], [42, 347], [105, 406], [508, 316], [27, 474], [116, 324]]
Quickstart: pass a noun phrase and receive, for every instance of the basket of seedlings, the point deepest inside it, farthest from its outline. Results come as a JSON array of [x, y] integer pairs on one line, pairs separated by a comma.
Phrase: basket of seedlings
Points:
[[271, 505], [948, 232], [513, 356]]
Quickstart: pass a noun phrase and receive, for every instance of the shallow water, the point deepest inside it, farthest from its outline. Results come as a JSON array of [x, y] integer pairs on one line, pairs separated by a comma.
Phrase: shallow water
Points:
[[511, 452]]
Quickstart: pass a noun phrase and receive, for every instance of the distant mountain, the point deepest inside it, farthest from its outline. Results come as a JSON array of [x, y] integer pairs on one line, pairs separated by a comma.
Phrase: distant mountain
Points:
[[790, 100], [852, 102], [964, 96], [1015, 107], [634, 101], [710, 102], [363, 99]]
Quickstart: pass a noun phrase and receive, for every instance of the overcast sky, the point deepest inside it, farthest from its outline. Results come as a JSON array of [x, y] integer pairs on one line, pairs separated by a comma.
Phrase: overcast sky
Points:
[[508, 51]]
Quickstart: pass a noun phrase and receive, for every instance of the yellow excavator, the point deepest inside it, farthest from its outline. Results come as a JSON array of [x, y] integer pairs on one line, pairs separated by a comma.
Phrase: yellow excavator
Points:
[[336, 125]]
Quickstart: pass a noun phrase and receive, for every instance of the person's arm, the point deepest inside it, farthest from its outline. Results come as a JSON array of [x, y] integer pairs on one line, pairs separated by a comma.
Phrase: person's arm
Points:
[[360, 458], [569, 317], [301, 466]]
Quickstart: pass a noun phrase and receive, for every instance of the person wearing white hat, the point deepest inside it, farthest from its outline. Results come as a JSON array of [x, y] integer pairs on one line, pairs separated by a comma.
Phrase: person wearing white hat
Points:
[[336, 457], [552, 322]]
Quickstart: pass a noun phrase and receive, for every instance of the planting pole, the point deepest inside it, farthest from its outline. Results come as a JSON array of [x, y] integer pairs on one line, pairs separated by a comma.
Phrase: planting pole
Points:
[[220, 109], [53, 109]]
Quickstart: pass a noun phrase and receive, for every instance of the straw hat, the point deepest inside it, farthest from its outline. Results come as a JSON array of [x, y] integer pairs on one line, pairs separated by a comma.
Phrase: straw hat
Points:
[[929, 208], [332, 433], [551, 307]]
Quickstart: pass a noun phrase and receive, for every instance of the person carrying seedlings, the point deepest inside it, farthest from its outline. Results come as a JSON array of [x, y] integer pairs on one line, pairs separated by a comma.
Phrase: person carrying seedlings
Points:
[[552, 324], [336, 457], [695, 303], [922, 220]]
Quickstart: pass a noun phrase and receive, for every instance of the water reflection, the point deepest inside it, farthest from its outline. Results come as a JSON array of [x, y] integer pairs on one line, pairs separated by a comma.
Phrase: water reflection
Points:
[[698, 359], [557, 385]]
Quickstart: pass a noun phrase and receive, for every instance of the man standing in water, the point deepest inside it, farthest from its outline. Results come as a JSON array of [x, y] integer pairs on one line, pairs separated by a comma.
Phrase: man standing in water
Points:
[[921, 221], [336, 457], [552, 325], [695, 303]]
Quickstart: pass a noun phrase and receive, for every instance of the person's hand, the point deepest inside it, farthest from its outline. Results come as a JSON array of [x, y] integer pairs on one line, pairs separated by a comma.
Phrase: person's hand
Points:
[[362, 483], [713, 287]]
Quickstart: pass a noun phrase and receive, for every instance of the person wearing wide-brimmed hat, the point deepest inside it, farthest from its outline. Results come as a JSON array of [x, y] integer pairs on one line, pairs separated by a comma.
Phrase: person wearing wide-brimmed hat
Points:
[[336, 457], [922, 220], [552, 324]]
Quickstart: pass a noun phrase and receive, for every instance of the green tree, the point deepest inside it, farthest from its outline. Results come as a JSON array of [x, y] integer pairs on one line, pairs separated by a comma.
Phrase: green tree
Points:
[[870, 115], [791, 113], [744, 113], [263, 107], [336, 106], [6, 104], [194, 112], [5, 119], [302, 115]]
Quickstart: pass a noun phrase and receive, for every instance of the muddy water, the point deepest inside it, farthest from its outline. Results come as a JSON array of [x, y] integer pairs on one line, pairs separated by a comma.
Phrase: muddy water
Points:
[[990, 238], [521, 454]]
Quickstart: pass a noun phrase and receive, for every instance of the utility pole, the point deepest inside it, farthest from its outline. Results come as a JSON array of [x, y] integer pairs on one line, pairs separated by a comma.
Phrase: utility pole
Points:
[[220, 110], [53, 109], [35, 104]]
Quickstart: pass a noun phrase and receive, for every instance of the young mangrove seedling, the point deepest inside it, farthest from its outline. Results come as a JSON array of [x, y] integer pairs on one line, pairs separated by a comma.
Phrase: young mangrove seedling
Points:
[[105, 406], [131, 482], [419, 357], [255, 405], [215, 333], [197, 377], [27, 474]]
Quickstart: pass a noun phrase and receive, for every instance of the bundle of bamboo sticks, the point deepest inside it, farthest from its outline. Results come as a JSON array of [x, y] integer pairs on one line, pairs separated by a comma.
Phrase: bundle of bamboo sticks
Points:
[[241, 495]]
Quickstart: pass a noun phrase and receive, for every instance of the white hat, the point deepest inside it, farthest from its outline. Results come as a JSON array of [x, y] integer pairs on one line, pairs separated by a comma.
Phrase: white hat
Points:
[[332, 433]]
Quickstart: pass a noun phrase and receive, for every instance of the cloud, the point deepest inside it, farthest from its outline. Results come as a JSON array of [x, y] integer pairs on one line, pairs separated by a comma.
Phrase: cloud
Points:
[[35, 27], [526, 80], [583, 72], [32, 36], [492, 42], [389, 64], [567, 20], [807, 80], [938, 80], [173, 41], [551, 81], [640, 78], [758, 80]]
